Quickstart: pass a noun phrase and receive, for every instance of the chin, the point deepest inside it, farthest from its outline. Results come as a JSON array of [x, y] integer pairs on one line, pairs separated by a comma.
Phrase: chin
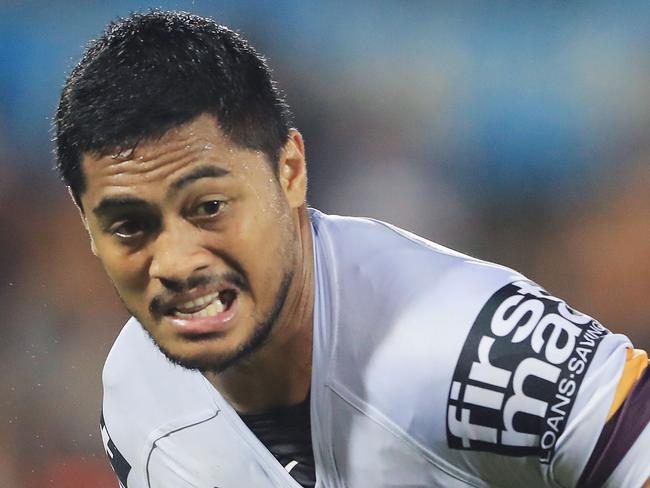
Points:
[[211, 354]]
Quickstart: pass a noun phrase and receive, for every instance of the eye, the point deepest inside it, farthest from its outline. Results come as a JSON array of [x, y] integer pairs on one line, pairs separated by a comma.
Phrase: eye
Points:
[[129, 229], [209, 208]]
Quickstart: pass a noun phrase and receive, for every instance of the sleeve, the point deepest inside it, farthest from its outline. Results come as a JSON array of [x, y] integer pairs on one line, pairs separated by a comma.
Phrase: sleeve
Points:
[[621, 456], [164, 471], [558, 398], [120, 465]]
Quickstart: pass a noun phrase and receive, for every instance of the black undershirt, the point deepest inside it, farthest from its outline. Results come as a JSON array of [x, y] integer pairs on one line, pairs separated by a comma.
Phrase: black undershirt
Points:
[[286, 432]]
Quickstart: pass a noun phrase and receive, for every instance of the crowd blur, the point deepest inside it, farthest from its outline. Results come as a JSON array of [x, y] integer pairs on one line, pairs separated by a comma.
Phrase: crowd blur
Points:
[[517, 132]]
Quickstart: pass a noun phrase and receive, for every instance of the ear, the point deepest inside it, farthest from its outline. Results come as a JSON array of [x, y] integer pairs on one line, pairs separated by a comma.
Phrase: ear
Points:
[[84, 221], [292, 170]]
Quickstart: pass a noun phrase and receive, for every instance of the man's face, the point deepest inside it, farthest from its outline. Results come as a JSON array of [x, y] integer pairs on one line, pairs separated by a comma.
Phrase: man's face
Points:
[[199, 237]]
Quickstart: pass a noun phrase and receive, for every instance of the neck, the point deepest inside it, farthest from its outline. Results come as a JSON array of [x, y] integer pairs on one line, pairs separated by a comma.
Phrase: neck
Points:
[[279, 373]]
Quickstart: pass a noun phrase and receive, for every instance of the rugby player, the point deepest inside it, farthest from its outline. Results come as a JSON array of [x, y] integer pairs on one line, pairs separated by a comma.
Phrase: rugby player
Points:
[[272, 345]]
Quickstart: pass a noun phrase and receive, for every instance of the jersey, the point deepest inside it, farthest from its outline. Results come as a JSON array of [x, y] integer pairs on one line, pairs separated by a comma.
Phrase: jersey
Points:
[[286, 432], [430, 369]]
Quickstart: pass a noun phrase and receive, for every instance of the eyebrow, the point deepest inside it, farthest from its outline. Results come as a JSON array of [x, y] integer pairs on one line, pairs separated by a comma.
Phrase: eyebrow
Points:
[[110, 204], [198, 173]]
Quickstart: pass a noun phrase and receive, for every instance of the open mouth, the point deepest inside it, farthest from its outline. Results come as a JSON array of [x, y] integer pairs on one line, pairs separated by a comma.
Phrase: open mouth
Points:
[[208, 305]]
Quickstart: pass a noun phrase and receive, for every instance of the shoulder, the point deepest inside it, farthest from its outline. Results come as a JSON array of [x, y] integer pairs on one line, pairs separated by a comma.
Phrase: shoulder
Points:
[[470, 360], [404, 308], [386, 283], [358, 235], [146, 397], [363, 249]]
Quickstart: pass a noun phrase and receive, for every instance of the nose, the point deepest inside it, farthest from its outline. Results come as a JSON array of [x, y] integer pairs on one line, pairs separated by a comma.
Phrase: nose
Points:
[[177, 256]]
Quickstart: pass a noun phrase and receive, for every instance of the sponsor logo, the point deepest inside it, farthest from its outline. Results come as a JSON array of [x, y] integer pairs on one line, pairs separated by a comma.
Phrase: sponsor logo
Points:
[[519, 373], [119, 464]]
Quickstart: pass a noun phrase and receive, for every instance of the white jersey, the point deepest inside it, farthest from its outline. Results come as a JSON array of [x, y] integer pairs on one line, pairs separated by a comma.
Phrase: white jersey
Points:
[[430, 369]]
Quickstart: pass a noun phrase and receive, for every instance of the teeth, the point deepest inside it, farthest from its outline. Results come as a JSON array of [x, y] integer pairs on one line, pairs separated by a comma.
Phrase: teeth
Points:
[[212, 309], [198, 301], [213, 306]]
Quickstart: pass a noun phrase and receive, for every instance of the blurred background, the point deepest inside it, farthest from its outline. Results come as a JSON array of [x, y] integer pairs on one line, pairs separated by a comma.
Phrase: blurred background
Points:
[[518, 132]]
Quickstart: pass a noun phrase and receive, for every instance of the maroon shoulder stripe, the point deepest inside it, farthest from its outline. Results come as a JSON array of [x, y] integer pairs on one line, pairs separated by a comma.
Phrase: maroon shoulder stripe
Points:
[[618, 434]]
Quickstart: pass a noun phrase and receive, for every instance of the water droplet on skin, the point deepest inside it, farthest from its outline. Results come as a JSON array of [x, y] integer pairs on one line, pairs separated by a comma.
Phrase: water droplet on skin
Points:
[[125, 154], [208, 147]]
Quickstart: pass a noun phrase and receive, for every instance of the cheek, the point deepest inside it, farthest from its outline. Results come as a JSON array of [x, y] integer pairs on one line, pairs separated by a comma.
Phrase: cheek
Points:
[[249, 241], [126, 271], [260, 243]]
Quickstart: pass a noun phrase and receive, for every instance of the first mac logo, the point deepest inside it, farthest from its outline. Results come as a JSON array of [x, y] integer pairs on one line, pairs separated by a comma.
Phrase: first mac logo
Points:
[[519, 373], [119, 464]]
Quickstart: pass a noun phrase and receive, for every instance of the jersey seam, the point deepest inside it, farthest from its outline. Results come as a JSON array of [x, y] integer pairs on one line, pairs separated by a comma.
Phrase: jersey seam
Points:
[[153, 444], [419, 241], [232, 418], [322, 240], [389, 426], [333, 275], [265, 456]]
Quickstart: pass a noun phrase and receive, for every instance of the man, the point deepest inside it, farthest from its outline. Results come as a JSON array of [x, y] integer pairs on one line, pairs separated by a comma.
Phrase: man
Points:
[[273, 345]]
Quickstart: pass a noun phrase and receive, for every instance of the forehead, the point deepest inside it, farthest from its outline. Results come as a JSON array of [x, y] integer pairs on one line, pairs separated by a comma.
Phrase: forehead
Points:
[[159, 163]]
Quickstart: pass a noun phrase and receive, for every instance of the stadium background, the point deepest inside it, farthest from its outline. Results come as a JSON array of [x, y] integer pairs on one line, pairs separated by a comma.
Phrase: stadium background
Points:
[[517, 132]]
